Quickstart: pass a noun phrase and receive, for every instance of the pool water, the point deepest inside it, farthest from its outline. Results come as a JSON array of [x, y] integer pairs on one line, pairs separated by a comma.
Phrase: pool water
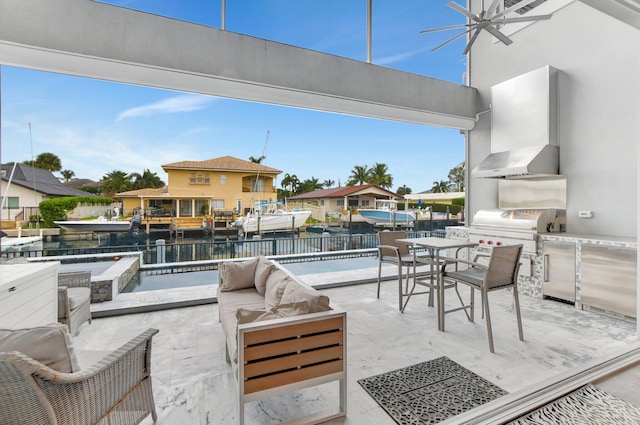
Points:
[[153, 281]]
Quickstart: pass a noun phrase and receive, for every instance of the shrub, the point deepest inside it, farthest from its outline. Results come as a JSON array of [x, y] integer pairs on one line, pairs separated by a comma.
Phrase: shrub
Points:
[[57, 208]]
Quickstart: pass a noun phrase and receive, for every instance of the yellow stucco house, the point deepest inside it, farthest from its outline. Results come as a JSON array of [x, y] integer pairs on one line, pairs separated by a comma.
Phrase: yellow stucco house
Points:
[[199, 188]]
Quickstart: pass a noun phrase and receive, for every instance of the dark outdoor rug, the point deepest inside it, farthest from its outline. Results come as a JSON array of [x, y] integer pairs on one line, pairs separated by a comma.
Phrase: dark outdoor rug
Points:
[[588, 405], [429, 392]]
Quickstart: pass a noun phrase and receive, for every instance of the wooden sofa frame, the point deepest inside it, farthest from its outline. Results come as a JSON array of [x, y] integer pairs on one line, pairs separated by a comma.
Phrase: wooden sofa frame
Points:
[[283, 355]]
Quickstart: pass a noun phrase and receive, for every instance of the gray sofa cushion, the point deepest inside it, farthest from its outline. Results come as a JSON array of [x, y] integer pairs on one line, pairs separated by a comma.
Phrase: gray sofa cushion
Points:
[[295, 292], [277, 281], [237, 275], [263, 270], [51, 345]]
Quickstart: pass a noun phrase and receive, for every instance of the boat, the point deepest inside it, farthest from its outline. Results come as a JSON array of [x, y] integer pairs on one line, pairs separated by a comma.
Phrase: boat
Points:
[[386, 213], [271, 217], [100, 224], [20, 243]]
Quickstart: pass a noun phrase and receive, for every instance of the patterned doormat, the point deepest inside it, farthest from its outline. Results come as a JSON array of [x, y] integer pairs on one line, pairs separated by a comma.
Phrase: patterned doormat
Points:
[[429, 392]]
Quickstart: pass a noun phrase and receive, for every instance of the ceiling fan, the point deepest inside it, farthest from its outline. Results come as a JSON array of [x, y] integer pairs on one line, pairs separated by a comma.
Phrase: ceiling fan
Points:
[[487, 20]]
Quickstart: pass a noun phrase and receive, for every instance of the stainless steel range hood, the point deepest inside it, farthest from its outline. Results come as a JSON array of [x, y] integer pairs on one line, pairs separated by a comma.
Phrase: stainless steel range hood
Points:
[[523, 128], [531, 162]]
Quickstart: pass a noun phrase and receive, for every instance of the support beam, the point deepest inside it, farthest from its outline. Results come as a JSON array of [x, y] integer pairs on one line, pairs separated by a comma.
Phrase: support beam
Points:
[[101, 41]]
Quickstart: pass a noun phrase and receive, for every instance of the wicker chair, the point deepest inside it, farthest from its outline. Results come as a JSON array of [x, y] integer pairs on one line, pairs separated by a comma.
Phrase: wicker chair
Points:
[[74, 299], [116, 390], [500, 273]]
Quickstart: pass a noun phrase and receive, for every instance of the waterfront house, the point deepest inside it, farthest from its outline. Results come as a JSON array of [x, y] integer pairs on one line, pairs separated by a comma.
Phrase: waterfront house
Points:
[[199, 188], [27, 188], [339, 201]]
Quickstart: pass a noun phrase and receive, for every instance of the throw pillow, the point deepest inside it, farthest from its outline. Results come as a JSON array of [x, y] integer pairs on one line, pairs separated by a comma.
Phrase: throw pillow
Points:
[[295, 291], [263, 270], [276, 282], [50, 345], [283, 310], [237, 275]]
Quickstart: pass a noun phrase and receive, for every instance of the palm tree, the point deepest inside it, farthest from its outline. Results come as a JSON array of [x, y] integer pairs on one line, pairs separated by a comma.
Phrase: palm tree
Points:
[[147, 179], [309, 185], [257, 160], [403, 190], [379, 174], [328, 183], [46, 161], [115, 181], [440, 187], [359, 175], [67, 174]]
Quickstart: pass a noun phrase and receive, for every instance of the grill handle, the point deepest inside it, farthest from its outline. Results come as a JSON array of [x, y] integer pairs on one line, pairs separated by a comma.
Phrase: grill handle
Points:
[[546, 267]]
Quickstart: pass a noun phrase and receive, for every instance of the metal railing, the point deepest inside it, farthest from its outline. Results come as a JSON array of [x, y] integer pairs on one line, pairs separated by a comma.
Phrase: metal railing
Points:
[[178, 252]]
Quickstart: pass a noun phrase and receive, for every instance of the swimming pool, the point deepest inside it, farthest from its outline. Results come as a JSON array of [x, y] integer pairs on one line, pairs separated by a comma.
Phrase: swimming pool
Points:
[[174, 278]]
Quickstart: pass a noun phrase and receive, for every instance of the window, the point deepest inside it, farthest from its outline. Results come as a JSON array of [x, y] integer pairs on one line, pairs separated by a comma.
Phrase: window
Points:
[[223, 179], [340, 202], [353, 203], [13, 202], [199, 178], [257, 187], [217, 204], [364, 203]]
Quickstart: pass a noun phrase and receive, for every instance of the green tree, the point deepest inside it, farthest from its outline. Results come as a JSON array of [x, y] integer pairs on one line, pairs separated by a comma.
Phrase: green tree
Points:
[[147, 179], [114, 182], [359, 175], [309, 185], [379, 174], [403, 190], [328, 183], [440, 187], [67, 174], [456, 177], [46, 161]]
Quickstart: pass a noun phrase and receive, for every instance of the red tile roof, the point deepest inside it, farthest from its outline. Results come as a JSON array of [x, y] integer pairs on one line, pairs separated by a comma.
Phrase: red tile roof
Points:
[[341, 192], [223, 163]]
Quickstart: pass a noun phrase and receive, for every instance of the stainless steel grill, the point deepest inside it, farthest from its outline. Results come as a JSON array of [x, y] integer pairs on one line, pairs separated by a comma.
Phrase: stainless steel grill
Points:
[[508, 227]]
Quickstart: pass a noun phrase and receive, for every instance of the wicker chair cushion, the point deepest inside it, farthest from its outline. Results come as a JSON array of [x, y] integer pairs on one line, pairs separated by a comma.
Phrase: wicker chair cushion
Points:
[[78, 296], [263, 270], [473, 276], [51, 345], [296, 292], [237, 275]]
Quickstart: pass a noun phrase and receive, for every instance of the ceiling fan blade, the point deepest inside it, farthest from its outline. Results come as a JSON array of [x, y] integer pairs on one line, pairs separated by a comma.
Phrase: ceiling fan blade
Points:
[[471, 40], [452, 27], [500, 36], [522, 19], [492, 8], [451, 39], [519, 5], [464, 11]]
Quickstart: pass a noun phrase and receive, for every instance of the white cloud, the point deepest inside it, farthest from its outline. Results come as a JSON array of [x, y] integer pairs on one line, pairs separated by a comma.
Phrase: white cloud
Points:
[[182, 103], [399, 57]]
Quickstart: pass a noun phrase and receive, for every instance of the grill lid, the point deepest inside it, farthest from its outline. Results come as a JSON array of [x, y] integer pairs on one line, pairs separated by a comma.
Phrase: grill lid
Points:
[[539, 221]]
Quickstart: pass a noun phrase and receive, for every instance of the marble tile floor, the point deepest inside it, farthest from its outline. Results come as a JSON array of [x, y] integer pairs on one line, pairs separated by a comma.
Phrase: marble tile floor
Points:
[[193, 384]]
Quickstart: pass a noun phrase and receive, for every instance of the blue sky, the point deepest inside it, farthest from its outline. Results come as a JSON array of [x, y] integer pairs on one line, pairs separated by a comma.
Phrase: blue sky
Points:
[[96, 127]]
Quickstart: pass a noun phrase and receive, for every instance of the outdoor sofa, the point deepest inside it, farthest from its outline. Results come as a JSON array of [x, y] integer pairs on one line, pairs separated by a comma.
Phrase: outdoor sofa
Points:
[[281, 334]]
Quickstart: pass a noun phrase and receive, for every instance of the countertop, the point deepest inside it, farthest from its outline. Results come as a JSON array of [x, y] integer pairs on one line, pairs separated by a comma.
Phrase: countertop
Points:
[[587, 238]]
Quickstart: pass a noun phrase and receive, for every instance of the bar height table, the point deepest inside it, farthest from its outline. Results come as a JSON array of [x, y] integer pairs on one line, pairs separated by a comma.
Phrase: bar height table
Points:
[[434, 246]]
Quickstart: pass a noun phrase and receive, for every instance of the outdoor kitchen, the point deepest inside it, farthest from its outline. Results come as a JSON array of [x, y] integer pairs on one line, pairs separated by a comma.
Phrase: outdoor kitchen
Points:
[[591, 271]]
